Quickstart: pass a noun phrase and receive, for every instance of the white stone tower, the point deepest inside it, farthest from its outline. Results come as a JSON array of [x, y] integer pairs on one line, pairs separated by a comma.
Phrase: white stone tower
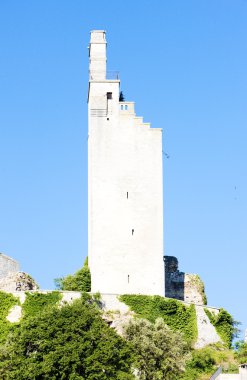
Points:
[[125, 196]]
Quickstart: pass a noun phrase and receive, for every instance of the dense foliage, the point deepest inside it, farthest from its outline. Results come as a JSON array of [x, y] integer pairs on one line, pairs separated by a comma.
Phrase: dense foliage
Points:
[[224, 325], [175, 314], [202, 362], [241, 352], [7, 301], [70, 342], [73, 342], [205, 361], [80, 281], [160, 353], [35, 303]]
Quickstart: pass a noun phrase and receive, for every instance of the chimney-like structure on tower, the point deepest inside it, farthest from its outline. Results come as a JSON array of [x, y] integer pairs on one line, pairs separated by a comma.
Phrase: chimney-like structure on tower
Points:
[[125, 196], [97, 54]]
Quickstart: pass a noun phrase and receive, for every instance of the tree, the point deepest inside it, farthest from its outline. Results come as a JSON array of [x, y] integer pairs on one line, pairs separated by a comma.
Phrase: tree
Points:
[[67, 343], [80, 281], [121, 97], [160, 353]]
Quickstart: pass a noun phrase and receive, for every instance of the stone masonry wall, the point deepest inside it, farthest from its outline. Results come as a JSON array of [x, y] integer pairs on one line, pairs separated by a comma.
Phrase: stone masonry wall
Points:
[[182, 286], [7, 266]]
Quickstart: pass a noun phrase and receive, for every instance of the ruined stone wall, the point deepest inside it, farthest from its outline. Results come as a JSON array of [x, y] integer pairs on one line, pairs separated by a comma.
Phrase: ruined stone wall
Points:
[[7, 266], [182, 286]]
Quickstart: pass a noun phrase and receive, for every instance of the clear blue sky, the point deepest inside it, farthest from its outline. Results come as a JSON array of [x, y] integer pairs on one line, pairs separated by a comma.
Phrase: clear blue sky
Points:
[[184, 63]]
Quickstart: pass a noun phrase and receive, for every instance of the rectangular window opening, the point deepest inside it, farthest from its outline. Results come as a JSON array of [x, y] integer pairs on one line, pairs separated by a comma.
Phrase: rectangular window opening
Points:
[[133, 231], [127, 195], [128, 278], [126, 107], [109, 95]]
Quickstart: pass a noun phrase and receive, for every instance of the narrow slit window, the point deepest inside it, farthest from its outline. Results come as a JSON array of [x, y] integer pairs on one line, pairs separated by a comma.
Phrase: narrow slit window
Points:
[[133, 231], [127, 195], [128, 278]]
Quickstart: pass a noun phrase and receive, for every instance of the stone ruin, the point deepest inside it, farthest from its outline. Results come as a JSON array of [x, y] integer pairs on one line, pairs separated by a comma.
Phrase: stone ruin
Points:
[[182, 286], [11, 278]]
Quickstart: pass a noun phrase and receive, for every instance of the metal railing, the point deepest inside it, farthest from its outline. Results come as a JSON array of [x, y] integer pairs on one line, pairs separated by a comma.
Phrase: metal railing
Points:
[[99, 112], [109, 75], [216, 374], [112, 75]]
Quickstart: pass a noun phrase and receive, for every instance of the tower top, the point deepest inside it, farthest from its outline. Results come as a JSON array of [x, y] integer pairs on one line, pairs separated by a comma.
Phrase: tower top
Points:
[[97, 55], [98, 36]]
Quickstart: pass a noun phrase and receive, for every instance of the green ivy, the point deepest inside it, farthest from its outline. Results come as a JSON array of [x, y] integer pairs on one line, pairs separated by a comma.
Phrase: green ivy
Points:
[[224, 325], [36, 302], [175, 314], [7, 301]]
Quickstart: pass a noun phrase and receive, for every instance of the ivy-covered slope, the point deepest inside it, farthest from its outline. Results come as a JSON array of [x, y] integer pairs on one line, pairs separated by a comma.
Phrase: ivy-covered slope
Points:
[[175, 314], [224, 325], [33, 305], [7, 301]]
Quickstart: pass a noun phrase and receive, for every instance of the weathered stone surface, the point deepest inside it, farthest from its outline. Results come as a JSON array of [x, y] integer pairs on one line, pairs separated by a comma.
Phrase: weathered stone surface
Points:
[[17, 281], [69, 297], [206, 331], [14, 314], [7, 266], [111, 302], [194, 289], [117, 320]]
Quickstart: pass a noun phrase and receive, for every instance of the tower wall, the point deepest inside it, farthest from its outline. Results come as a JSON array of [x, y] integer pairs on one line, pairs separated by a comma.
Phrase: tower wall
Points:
[[125, 219]]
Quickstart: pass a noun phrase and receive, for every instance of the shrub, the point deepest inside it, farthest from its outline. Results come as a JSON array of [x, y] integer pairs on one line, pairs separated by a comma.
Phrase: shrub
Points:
[[69, 342], [80, 281], [224, 324], [160, 353]]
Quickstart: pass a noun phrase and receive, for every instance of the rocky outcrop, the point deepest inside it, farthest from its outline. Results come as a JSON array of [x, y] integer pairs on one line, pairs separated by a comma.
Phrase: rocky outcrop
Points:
[[206, 331], [11, 278], [18, 281]]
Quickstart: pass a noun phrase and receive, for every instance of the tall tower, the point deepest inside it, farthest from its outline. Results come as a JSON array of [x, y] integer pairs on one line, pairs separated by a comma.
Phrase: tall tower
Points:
[[125, 195]]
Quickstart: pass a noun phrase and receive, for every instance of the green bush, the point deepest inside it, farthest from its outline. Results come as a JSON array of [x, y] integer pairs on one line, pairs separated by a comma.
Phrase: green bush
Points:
[[224, 325], [159, 352], [80, 281], [174, 313], [70, 342], [241, 352], [202, 362]]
